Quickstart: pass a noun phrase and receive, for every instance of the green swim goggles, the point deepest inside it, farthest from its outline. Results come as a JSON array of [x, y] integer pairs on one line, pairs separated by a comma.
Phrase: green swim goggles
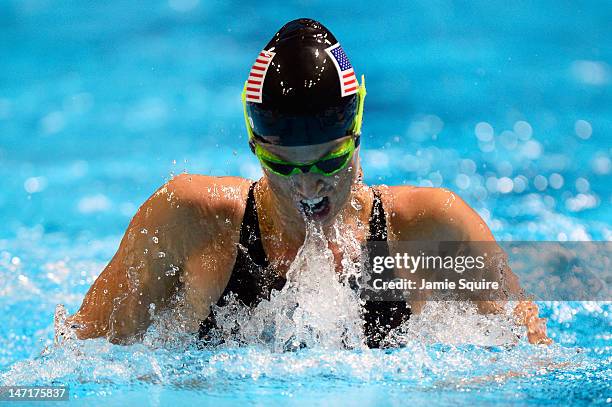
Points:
[[329, 165]]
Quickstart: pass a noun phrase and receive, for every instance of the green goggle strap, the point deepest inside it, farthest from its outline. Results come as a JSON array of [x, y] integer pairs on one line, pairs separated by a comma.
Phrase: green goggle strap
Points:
[[356, 127], [246, 115], [361, 94]]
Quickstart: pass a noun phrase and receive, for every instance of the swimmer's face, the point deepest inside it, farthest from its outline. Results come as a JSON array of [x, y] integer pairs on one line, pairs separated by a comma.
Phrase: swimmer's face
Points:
[[312, 195]]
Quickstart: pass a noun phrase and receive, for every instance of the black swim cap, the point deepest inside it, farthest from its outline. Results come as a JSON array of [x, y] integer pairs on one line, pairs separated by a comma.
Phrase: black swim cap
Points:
[[302, 89]]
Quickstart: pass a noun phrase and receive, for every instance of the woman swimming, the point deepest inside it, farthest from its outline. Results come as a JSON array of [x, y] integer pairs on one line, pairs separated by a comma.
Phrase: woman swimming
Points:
[[211, 236]]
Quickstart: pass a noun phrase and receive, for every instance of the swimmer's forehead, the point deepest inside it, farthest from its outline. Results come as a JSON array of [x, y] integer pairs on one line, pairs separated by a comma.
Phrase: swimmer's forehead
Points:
[[305, 153]]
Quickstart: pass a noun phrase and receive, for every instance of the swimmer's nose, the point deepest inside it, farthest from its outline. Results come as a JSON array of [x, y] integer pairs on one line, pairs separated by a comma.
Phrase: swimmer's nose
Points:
[[309, 185]]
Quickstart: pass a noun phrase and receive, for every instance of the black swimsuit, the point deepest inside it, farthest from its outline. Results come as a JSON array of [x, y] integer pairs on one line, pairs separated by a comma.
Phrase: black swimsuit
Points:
[[251, 281]]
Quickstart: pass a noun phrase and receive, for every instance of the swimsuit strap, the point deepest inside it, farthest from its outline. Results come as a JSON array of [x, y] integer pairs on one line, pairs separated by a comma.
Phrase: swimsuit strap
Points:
[[250, 234], [248, 281], [380, 317], [378, 220]]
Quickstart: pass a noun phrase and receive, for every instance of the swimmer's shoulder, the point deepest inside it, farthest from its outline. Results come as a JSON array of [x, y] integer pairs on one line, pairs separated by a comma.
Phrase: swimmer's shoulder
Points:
[[214, 199], [424, 212], [409, 201]]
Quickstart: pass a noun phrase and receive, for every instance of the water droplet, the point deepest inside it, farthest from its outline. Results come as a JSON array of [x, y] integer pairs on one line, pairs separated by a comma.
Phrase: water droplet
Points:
[[540, 182], [462, 181], [556, 180], [144, 231], [505, 185], [155, 239], [523, 130], [172, 270], [583, 129], [582, 185], [161, 255], [484, 131]]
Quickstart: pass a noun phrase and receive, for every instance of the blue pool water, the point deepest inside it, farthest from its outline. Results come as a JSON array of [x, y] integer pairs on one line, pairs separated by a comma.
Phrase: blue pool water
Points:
[[507, 103]]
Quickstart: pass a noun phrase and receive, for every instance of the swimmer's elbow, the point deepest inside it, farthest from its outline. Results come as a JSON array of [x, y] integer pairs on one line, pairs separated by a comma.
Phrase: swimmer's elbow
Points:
[[83, 328], [120, 333]]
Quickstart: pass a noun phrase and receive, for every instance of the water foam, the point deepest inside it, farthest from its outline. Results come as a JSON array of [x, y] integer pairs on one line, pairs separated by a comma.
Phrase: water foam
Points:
[[315, 308]]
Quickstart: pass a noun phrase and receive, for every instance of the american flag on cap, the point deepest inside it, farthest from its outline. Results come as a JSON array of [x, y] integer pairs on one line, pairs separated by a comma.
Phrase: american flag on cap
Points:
[[257, 76], [348, 81]]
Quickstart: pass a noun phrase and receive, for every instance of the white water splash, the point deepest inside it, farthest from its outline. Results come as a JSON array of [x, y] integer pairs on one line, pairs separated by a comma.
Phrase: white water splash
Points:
[[456, 323], [314, 308]]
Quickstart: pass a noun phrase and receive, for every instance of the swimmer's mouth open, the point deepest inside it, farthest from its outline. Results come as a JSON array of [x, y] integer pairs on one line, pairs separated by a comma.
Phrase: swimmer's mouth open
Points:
[[316, 208]]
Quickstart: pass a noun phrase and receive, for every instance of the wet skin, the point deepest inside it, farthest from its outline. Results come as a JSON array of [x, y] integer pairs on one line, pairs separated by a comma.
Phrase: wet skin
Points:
[[183, 239]]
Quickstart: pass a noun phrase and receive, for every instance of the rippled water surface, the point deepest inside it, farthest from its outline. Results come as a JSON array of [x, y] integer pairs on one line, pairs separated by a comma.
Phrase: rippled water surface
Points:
[[509, 105]]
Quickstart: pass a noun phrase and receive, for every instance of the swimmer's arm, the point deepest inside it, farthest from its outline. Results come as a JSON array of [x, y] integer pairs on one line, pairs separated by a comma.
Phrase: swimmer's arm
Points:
[[143, 275], [468, 226], [437, 214]]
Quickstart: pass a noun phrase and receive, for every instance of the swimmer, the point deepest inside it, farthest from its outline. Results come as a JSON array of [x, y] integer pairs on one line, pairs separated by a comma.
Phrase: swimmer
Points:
[[206, 237]]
